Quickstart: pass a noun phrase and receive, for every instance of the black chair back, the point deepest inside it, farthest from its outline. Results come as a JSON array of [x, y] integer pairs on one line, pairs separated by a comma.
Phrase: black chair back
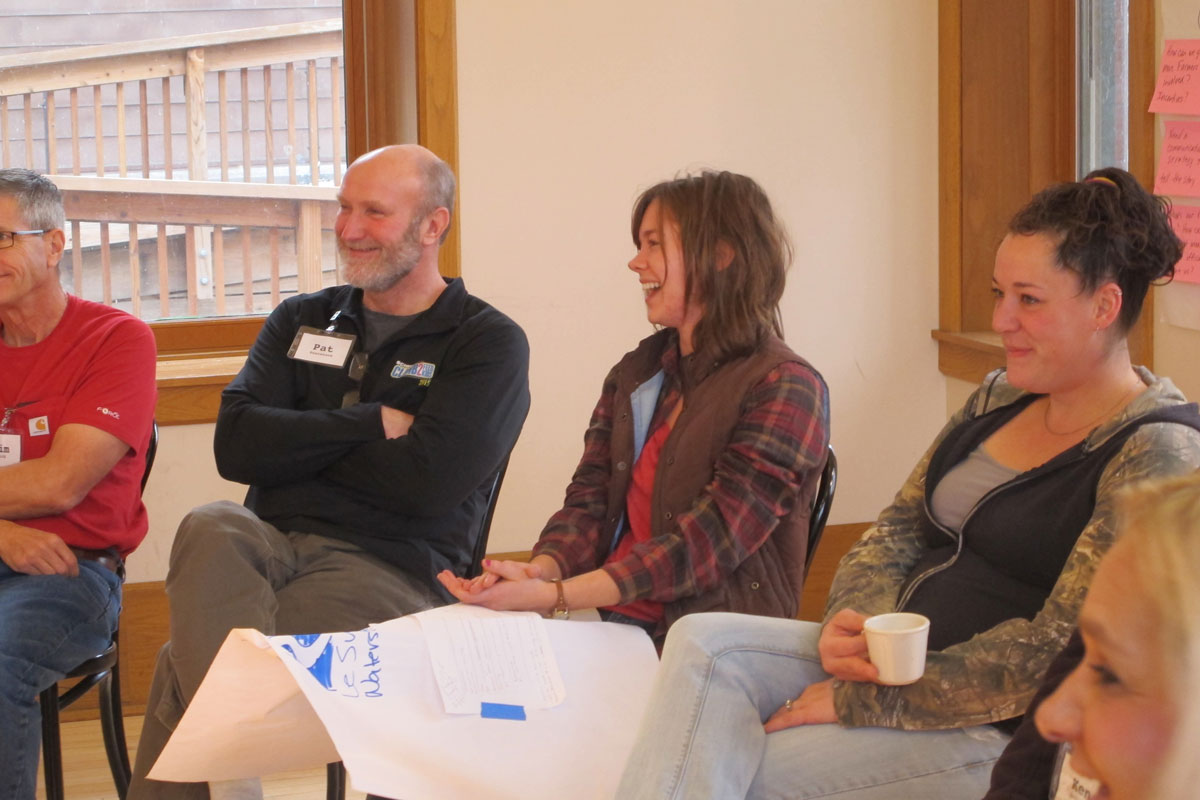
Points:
[[822, 501], [335, 773], [151, 452], [485, 524]]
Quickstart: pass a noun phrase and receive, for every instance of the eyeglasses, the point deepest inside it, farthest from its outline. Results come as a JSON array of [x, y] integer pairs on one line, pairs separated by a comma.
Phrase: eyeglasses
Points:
[[9, 238]]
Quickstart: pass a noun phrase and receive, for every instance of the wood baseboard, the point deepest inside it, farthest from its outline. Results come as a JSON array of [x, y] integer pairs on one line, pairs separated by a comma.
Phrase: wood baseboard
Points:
[[144, 620], [835, 542]]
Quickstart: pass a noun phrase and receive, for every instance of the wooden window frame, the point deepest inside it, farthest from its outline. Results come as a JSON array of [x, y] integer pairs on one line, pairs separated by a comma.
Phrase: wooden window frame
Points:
[[197, 358], [976, 135]]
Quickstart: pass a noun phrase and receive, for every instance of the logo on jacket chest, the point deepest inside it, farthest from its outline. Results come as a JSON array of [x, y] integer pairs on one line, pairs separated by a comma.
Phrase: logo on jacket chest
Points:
[[422, 371]]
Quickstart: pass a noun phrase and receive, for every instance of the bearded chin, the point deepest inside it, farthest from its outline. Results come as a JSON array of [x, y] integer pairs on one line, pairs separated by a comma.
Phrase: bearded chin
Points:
[[384, 271]]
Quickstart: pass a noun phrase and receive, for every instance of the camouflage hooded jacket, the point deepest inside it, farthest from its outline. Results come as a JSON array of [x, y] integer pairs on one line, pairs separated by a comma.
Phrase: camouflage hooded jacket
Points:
[[993, 675]]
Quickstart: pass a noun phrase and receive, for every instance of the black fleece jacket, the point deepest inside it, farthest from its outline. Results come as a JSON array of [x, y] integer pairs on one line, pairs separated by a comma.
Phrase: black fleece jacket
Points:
[[313, 466]]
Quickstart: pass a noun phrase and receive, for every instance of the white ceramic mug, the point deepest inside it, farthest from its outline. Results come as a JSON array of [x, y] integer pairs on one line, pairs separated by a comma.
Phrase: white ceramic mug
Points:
[[896, 645]]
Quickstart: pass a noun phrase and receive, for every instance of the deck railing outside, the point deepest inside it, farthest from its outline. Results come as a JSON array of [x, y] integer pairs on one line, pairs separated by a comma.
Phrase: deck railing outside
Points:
[[218, 154]]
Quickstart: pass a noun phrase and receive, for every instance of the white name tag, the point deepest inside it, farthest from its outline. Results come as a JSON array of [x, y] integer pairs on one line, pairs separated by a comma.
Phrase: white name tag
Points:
[[1070, 784], [321, 347], [10, 449]]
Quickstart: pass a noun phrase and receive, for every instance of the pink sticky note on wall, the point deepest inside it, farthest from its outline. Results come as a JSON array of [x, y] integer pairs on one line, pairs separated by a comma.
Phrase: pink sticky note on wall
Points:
[[1178, 87], [1179, 161], [1186, 222]]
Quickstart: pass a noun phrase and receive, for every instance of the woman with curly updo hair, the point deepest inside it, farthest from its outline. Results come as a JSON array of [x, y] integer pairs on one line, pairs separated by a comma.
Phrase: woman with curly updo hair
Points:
[[994, 537]]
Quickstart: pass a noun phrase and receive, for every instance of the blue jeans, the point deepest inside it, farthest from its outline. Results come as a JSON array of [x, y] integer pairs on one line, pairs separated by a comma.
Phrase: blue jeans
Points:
[[49, 624], [722, 675]]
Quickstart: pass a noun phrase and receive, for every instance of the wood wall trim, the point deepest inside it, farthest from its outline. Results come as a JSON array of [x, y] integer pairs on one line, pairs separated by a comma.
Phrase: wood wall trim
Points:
[[949, 165], [1051, 94], [835, 542], [374, 64], [968, 356], [196, 361], [145, 619], [189, 390], [1006, 121], [437, 104], [202, 338], [375, 52], [1143, 55]]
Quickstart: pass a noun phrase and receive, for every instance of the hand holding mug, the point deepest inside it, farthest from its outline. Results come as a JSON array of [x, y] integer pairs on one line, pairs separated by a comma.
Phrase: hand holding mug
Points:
[[843, 647]]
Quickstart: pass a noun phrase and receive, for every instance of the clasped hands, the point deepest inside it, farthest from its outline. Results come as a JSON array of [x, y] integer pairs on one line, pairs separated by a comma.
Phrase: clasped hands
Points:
[[516, 586], [504, 586], [843, 649]]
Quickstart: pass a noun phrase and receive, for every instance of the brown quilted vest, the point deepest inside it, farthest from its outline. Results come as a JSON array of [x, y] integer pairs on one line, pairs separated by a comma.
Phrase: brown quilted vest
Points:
[[769, 581]]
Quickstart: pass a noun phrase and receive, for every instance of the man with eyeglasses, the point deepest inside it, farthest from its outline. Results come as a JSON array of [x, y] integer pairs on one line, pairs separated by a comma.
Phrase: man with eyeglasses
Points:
[[77, 397]]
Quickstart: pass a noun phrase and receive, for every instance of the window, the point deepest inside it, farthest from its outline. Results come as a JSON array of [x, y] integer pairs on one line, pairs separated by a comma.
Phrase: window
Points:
[[391, 94], [198, 170], [1103, 91]]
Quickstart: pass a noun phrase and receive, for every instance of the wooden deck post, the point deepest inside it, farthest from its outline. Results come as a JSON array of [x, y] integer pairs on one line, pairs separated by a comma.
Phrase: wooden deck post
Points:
[[197, 128], [308, 246]]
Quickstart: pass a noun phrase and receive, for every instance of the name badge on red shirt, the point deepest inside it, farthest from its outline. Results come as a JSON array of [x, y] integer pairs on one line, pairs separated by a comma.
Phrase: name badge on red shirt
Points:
[[10, 437], [10, 447]]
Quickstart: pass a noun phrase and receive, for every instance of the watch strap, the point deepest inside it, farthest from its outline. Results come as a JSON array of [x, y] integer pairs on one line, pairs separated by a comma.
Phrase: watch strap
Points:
[[561, 611]]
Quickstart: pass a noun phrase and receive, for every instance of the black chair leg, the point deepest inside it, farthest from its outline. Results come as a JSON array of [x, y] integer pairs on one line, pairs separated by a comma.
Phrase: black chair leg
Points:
[[112, 723], [51, 744], [335, 781]]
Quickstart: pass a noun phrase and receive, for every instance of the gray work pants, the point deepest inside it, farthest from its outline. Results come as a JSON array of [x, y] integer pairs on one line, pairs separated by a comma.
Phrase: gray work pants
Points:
[[229, 569]]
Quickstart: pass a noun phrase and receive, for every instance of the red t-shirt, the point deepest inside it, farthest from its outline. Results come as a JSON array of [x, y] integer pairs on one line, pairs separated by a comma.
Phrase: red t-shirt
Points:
[[97, 367], [637, 514]]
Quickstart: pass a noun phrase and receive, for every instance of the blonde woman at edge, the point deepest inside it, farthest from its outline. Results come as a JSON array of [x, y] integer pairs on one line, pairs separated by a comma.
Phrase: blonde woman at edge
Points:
[[1130, 711]]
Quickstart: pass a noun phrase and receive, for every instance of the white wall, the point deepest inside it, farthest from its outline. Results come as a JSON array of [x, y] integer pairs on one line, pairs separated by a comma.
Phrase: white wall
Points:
[[184, 476], [567, 109]]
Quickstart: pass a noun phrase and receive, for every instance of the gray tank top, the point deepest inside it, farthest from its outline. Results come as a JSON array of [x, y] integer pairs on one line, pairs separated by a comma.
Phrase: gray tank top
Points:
[[965, 485]]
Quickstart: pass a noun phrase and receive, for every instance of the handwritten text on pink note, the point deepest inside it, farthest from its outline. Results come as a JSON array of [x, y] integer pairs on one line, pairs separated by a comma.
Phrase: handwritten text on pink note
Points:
[[1179, 163], [1186, 222], [1178, 87]]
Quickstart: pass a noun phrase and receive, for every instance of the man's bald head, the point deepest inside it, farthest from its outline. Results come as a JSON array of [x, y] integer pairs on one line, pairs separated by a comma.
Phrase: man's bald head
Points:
[[434, 175]]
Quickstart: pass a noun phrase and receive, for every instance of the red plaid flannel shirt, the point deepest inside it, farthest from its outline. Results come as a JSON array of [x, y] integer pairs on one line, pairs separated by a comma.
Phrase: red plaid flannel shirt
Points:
[[780, 439]]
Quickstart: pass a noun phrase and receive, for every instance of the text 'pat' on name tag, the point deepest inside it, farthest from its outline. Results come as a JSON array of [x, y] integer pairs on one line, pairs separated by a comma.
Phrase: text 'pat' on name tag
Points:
[[316, 346]]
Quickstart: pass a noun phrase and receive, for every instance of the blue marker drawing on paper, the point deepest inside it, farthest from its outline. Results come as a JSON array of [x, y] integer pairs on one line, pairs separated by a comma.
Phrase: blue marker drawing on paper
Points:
[[314, 651], [346, 663]]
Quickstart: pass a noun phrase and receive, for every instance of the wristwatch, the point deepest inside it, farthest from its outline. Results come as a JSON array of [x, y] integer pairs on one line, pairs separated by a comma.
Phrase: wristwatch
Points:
[[560, 608]]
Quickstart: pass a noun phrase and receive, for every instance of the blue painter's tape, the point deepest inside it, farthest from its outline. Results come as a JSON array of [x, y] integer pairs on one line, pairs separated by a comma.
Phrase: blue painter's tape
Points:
[[501, 711]]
